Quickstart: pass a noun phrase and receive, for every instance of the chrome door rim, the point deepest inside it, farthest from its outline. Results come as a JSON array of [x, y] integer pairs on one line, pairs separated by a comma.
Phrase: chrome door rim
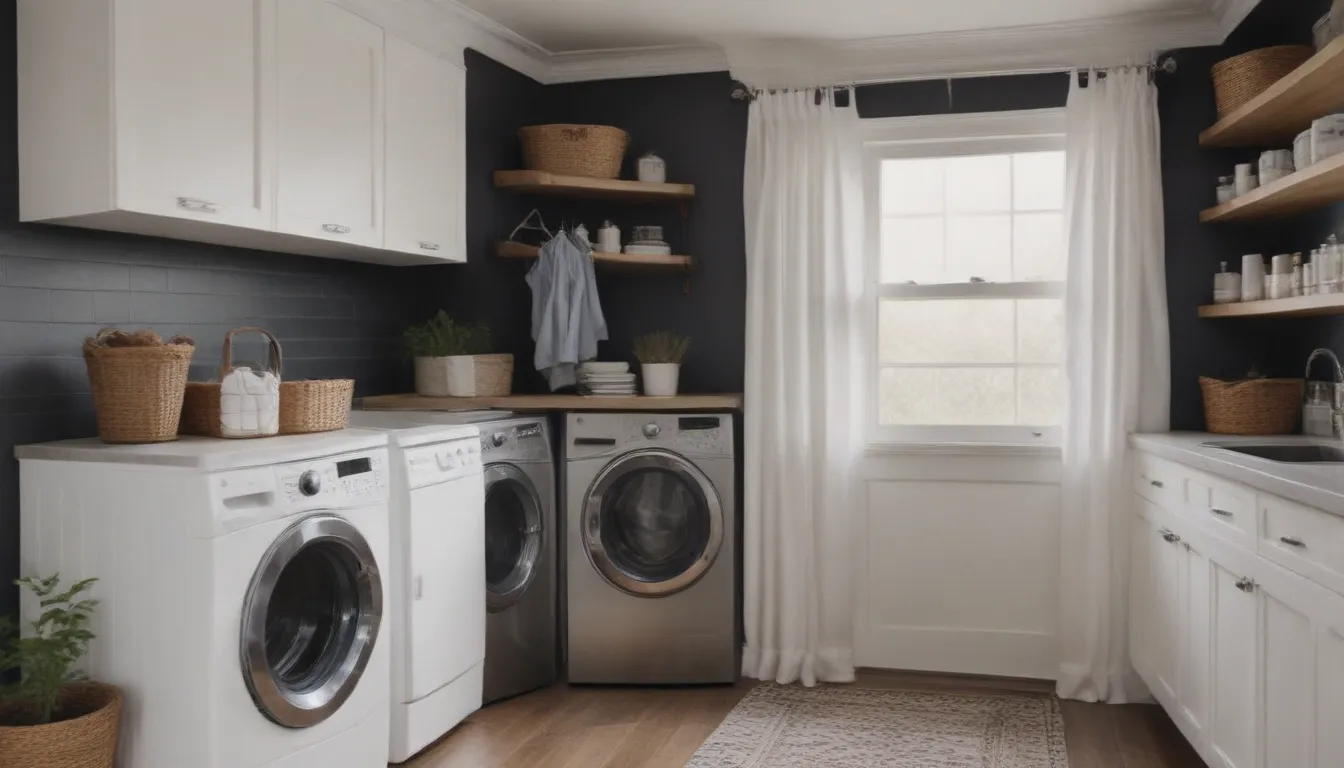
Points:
[[293, 709], [652, 458], [525, 572]]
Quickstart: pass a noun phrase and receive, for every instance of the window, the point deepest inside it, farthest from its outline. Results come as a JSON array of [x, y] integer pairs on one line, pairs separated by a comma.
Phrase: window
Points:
[[966, 282]]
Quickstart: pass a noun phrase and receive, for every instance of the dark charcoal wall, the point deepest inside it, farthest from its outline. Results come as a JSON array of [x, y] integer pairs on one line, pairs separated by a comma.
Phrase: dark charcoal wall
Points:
[[58, 285], [1227, 348], [964, 95]]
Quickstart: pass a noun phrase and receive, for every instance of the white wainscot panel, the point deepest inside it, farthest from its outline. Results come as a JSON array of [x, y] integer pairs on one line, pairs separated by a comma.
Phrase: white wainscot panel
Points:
[[959, 575]]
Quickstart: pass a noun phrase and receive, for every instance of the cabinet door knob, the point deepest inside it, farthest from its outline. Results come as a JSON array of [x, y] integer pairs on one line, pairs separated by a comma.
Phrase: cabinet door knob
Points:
[[1221, 512], [1156, 483], [426, 245], [1246, 585], [200, 206], [336, 229], [1292, 541]]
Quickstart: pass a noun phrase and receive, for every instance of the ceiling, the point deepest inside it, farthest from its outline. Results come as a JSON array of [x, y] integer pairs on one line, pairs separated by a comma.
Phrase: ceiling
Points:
[[564, 26]]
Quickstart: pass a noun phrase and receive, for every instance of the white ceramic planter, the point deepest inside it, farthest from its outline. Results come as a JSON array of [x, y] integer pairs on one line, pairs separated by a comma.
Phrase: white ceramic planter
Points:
[[660, 379]]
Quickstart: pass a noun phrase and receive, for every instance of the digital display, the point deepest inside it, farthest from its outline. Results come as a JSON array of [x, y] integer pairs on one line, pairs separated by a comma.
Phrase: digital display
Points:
[[353, 467], [697, 423], [531, 430]]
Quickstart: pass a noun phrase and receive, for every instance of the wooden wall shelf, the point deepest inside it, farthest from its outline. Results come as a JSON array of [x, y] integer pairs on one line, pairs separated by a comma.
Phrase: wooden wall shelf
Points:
[[613, 261], [542, 183], [1298, 306], [554, 403], [1277, 116], [1317, 186]]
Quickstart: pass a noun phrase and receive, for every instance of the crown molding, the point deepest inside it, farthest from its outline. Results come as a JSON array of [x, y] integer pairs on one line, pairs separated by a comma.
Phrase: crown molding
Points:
[[448, 26]]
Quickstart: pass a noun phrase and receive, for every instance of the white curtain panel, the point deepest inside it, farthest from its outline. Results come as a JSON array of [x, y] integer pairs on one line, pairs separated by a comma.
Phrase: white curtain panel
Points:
[[1117, 366], [804, 227]]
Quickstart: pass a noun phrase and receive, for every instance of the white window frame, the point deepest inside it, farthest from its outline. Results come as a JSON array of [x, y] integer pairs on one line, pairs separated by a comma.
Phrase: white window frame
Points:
[[947, 136]]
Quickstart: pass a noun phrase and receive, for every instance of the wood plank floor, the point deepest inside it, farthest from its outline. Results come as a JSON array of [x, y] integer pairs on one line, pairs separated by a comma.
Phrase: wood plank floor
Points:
[[588, 727]]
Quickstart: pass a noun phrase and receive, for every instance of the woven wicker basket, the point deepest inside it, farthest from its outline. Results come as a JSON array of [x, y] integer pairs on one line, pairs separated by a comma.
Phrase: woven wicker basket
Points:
[[1252, 406], [200, 402], [137, 391], [315, 406], [88, 741], [1241, 78], [595, 151]]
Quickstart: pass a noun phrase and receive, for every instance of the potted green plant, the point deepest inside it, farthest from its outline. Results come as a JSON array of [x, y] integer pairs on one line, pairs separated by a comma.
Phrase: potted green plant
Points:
[[660, 355], [51, 715], [452, 360]]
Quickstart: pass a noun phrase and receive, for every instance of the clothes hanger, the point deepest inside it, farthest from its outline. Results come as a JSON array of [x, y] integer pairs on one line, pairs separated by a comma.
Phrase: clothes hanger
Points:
[[540, 226]]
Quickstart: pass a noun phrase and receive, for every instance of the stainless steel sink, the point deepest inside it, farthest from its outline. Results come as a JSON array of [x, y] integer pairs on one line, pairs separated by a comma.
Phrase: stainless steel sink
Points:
[[1292, 454]]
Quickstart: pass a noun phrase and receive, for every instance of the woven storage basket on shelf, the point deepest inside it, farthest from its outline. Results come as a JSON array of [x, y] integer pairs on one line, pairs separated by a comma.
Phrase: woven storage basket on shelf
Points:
[[595, 151], [137, 391], [1241, 78], [200, 403], [1252, 406], [494, 375], [88, 741], [315, 406]]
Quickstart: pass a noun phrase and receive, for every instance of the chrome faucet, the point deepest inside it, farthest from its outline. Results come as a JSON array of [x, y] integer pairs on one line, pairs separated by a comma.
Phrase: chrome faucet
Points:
[[1321, 417]]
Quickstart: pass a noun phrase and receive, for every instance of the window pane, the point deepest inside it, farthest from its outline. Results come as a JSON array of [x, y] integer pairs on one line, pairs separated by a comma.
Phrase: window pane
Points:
[[912, 186], [952, 396], [980, 246], [1038, 181], [945, 331], [1038, 246], [1040, 331], [1040, 397], [979, 183], [912, 249]]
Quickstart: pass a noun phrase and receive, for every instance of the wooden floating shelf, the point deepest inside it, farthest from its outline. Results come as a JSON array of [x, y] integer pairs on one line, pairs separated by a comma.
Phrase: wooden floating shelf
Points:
[[617, 261], [542, 183], [1297, 306], [1317, 186], [554, 403], [1287, 108]]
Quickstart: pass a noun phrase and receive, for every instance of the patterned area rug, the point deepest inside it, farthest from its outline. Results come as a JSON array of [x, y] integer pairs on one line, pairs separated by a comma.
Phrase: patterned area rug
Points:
[[778, 726]]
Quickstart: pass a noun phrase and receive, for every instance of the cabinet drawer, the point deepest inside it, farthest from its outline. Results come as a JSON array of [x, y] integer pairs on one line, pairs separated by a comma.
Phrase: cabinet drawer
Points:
[[1227, 509], [1157, 481], [1305, 540]]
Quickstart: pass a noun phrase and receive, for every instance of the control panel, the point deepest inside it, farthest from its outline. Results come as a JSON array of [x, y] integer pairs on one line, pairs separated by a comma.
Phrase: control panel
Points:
[[515, 441], [441, 462], [359, 478], [605, 433]]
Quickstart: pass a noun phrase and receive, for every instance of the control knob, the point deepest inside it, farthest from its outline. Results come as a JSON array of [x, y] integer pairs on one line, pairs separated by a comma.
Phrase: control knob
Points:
[[498, 439], [310, 483], [652, 430]]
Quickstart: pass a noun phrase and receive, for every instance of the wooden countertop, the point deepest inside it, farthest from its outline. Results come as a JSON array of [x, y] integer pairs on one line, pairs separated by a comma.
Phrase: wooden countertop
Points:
[[554, 403]]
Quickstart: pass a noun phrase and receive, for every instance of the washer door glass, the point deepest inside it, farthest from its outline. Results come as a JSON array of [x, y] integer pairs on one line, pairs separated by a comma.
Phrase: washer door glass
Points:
[[513, 535], [653, 523], [310, 620]]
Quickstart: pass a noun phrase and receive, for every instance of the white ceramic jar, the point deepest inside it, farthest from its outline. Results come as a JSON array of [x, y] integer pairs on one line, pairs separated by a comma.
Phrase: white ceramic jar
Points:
[[651, 168]]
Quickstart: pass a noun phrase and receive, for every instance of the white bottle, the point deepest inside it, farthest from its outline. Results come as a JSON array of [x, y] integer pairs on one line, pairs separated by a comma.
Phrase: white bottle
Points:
[[609, 238]]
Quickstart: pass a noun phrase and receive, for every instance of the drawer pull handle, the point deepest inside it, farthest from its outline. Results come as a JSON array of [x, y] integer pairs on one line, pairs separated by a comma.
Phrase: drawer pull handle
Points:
[[1246, 585], [200, 206], [1221, 512], [426, 245], [1169, 537], [1156, 483], [336, 229], [1292, 542]]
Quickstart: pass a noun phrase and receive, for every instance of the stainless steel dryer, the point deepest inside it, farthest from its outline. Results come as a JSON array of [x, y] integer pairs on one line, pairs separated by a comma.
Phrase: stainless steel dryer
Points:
[[521, 646], [650, 548]]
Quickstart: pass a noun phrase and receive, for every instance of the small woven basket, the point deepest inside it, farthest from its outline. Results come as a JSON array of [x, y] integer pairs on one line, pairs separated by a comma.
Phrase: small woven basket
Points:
[[200, 402], [315, 406], [494, 375], [1252, 406], [595, 151], [137, 391], [1241, 78], [87, 741]]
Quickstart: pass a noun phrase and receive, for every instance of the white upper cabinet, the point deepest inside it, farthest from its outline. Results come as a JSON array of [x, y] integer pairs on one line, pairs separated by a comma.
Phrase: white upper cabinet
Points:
[[329, 95], [426, 153], [256, 123], [190, 109]]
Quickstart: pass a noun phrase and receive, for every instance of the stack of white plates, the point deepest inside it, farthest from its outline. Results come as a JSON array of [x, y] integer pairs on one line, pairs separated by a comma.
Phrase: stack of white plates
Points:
[[606, 379]]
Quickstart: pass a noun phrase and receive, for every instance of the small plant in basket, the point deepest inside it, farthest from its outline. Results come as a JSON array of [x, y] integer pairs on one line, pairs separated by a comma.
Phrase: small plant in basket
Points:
[[51, 710], [660, 355], [453, 359]]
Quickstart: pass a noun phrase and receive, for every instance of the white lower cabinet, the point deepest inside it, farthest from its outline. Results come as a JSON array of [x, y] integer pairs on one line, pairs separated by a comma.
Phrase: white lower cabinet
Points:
[[1246, 655]]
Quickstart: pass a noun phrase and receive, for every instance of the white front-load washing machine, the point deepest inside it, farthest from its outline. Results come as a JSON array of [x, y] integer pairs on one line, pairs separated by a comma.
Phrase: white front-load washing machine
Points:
[[436, 577], [241, 591], [650, 530]]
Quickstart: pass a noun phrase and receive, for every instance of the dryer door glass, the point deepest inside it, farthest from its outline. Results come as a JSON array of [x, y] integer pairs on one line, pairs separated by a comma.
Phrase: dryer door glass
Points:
[[310, 620], [653, 523], [513, 535]]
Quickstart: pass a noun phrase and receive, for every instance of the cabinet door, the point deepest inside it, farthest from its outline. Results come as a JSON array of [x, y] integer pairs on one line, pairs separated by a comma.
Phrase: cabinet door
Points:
[[190, 109], [330, 132], [1329, 697], [1232, 733], [426, 154], [1287, 650], [1165, 635], [1193, 682], [1143, 538]]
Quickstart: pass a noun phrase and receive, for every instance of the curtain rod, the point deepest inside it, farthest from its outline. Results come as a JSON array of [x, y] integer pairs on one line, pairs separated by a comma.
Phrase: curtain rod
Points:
[[1166, 64]]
